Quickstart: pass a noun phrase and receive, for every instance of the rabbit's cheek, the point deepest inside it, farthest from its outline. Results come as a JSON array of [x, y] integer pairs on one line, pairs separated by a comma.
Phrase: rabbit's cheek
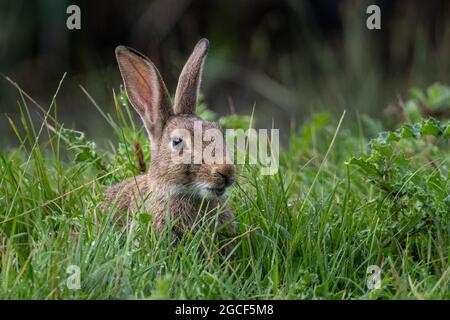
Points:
[[204, 174], [180, 173]]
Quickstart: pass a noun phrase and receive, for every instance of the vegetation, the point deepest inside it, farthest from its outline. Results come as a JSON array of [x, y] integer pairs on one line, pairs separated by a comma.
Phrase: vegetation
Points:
[[339, 204]]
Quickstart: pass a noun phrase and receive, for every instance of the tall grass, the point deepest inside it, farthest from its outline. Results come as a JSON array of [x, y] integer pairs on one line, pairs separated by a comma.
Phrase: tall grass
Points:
[[310, 231]]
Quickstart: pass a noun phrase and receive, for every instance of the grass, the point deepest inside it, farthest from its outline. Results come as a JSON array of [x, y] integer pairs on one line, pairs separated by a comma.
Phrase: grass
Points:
[[309, 232]]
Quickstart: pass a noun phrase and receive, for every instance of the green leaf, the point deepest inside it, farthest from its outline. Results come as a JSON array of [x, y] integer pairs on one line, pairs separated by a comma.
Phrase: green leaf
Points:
[[438, 96], [447, 132], [368, 168], [431, 127], [418, 94], [384, 149], [408, 131], [412, 111], [82, 156]]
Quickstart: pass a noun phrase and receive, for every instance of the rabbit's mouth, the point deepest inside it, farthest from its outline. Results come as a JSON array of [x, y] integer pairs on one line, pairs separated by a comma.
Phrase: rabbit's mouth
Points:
[[210, 191], [217, 191]]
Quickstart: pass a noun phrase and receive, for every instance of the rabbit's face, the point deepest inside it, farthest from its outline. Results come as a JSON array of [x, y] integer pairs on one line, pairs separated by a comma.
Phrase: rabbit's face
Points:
[[180, 162], [193, 167]]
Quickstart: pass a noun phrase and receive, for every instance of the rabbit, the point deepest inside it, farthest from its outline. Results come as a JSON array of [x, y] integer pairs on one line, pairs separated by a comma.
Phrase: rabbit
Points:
[[176, 190]]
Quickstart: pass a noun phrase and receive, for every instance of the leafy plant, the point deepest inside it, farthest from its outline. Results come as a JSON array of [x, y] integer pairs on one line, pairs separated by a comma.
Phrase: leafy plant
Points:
[[434, 101], [409, 166]]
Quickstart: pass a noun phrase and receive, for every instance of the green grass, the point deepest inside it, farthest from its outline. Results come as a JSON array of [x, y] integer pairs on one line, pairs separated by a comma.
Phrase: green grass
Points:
[[308, 232]]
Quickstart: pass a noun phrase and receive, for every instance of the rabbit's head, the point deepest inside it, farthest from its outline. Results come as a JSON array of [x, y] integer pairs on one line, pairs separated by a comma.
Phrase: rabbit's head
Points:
[[179, 161]]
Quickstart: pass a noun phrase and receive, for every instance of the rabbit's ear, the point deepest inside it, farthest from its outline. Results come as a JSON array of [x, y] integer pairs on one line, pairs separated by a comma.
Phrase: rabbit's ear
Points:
[[145, 90], [189, 81]]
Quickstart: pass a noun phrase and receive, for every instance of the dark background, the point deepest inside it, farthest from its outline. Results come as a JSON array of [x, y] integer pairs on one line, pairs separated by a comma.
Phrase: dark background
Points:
[[286, 58]]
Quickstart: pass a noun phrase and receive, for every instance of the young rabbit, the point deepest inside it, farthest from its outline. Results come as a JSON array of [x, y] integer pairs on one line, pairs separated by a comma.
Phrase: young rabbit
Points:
[[181, 191]]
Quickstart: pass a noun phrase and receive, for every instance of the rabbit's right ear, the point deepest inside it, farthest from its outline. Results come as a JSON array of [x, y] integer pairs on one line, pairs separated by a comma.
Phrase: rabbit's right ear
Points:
[[189, 81], [145, 90]]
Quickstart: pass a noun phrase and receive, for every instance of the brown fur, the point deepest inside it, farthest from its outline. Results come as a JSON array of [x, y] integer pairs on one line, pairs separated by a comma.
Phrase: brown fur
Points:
[[179, 191]]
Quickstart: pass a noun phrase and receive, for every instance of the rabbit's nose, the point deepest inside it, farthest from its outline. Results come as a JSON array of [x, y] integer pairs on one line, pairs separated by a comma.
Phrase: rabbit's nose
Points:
[[226, 172]]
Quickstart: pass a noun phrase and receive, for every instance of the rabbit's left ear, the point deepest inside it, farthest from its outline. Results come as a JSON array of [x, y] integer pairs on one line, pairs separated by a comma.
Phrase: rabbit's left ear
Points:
[[189, 81], [145, 90]]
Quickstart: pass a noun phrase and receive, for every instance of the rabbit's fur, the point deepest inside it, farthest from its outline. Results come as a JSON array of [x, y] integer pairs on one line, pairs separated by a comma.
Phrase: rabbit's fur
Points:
[[176, 190]]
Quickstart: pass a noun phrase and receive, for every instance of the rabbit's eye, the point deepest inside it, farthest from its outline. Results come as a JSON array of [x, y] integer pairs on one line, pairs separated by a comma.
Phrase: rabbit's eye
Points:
[[176, 141]]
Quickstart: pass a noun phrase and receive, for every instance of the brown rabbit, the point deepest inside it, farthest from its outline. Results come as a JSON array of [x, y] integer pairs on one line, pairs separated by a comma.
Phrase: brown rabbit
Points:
[[181, 191]]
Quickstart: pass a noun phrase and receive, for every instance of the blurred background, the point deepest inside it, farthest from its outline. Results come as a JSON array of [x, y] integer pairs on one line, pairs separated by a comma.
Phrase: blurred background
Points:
[[286, 59]]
